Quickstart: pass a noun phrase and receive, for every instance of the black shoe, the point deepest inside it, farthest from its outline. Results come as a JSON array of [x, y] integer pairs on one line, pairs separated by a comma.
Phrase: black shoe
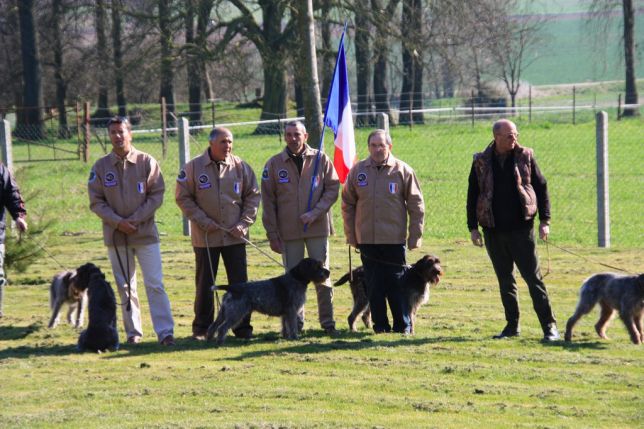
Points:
[[507, 333], [551, 333]]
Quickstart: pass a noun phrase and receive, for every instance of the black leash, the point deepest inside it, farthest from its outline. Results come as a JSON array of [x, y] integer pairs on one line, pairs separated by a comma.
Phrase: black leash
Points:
[[549, 242], [126, 274], [213, 287], [41, 247]]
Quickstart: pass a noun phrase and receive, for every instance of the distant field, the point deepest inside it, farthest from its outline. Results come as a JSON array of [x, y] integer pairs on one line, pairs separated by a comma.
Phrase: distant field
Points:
[[575, 50]]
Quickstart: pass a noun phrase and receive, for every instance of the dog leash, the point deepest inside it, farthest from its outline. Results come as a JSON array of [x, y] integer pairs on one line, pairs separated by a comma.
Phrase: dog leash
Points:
[[549, 242], [41, 247], [247, 241], [213, 287], [126, 274]]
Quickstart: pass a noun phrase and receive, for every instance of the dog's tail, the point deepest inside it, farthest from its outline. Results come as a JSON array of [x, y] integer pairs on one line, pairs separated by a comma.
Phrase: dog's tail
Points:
[[342, 280]]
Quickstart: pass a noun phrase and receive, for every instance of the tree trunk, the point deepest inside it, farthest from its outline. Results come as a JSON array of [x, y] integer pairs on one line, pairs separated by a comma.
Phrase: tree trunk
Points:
[[57, 15], [167, 70], [275, 84], [117, 6], [31, 127], [102, 55], [380, 48], [328, 53], [309, 69], [629, 58], [203, 18], [363, 65], [192, 67]]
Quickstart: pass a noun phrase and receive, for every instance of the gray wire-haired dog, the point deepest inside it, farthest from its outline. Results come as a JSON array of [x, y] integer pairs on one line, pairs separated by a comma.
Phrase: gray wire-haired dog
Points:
[[66, 289], [414, 284], [613, 292], [282, 296]]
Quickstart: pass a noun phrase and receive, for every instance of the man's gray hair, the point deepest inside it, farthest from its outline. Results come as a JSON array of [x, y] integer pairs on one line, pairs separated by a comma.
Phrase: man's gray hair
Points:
[[216, 132], [383, 132], [295, 123]]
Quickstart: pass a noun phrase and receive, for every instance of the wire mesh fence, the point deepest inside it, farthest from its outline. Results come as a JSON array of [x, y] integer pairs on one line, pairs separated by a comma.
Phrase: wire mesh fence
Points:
[[440, 150]]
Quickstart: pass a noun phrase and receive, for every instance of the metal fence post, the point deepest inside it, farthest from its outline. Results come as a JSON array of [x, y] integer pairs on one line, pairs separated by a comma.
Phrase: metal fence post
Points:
[[164, 126], [184, 156], [382, 121], [5, 144], [603, 209]]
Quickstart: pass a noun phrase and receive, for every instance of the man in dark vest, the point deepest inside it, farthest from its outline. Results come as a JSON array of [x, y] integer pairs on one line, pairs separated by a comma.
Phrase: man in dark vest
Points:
[[506, 190]]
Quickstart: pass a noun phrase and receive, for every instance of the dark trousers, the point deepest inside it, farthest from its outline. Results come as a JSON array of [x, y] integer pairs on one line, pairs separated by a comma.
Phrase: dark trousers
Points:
[[507, 248], [235, 263], [383, 267]]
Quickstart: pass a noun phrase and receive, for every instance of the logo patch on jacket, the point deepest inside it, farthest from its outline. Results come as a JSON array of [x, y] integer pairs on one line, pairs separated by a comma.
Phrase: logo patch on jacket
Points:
[[393, 188], [110, 179], [283, 176], [182, 177], [265, 173], [237, 187], [92, 177], [362, 179], [204, 182], [140, 186]]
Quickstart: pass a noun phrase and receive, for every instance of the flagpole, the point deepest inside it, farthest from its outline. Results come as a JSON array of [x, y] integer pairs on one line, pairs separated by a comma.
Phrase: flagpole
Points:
[[326, 112]]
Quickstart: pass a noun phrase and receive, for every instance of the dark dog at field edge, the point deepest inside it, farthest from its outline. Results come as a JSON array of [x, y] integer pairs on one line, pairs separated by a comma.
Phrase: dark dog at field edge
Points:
[[68, 288], [414, 283], [282, 296], [101, 333], [613, 292]]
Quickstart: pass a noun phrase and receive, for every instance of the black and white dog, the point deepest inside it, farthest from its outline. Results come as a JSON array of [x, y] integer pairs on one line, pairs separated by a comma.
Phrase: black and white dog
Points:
[[101, 333], [66, 289], [282, 296]]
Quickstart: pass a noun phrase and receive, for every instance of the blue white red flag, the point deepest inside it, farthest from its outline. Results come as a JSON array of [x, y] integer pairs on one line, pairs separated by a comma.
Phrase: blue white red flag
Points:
[[338, 116]]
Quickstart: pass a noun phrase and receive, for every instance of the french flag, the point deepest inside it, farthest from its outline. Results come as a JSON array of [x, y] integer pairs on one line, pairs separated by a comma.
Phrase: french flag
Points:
[[338, 116]]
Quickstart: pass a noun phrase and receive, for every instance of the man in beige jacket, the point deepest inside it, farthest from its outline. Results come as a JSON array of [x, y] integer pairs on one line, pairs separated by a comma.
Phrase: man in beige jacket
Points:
[[380, 193], [291, 224], [125, 190], [218, 192]]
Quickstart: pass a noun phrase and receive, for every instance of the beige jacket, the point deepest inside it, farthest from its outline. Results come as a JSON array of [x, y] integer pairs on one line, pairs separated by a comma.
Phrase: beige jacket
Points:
[[376, 202], [126, 189], [285, 196], [226, 197]]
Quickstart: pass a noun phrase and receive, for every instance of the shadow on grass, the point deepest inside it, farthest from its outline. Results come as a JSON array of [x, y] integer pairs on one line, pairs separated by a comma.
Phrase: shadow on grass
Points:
[[579, 345], [8, 333]]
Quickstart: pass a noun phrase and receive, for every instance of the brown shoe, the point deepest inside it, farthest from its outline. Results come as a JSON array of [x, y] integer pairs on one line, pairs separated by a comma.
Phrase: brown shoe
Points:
[[134, 339], [168, 341]]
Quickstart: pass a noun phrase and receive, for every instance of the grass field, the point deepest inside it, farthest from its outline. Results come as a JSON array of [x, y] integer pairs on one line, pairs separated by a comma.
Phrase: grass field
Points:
[[450, 374]]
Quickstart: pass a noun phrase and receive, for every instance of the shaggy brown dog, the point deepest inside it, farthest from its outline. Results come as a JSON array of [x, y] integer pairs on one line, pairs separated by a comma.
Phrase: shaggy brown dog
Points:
[[613, 292], [66, 289], [414, 283], [282, 296]]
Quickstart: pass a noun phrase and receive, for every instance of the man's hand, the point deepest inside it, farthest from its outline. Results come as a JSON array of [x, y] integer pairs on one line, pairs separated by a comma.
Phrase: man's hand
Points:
[[544, 231], [126, 227], [276, 245], [307, 218], [238, 231], [476, 238], [212, 227], [21, 223]]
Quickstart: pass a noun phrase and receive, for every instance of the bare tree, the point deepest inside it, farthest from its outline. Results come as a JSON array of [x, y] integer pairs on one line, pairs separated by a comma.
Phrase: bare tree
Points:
[[167, 59], [514, 36], [412, 84], [119, 72], [192, 65], [382, 16], [364, 77], [309, 70], [30, 122], [102, 57], [58, 15]]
